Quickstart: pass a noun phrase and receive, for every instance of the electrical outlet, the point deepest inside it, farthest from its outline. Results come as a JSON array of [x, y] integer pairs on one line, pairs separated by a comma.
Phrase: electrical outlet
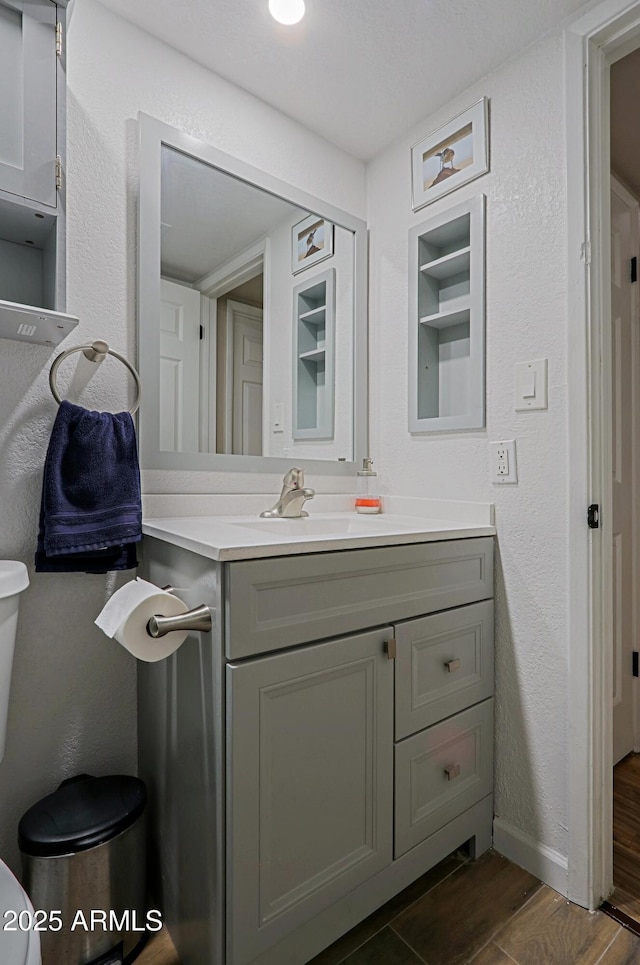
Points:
[[504, 468]]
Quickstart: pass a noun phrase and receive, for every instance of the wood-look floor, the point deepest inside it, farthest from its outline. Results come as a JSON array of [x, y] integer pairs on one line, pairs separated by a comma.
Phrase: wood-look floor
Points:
[[626, 825], [488, 912], [159, 950], [626, 836]]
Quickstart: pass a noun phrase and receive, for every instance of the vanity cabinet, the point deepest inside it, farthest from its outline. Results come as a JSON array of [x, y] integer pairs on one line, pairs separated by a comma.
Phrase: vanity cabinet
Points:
[[446, 320], [32, 147], [330, 743]]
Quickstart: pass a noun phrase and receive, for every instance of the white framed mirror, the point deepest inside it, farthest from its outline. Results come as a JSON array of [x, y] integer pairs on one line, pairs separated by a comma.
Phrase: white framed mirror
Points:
[[224, 251]]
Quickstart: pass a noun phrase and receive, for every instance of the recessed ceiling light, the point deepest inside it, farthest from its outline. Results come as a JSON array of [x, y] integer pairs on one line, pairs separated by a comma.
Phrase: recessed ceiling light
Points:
[[287, 11]]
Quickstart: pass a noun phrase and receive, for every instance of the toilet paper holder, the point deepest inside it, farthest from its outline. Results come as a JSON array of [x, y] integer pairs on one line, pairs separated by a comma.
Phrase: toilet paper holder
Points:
[[197, 619]]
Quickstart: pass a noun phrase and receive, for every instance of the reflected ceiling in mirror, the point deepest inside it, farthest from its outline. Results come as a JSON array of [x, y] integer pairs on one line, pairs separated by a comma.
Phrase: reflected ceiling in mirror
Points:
[[252, 324]]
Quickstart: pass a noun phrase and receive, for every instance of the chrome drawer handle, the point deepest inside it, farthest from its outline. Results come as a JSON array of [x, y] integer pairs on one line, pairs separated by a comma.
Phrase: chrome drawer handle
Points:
[[452, 771], [452, 665]]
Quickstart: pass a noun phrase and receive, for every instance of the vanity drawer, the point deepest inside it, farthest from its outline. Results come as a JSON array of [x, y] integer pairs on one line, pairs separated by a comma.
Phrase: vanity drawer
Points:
[[276, 603], [441, 772], [444, 664]]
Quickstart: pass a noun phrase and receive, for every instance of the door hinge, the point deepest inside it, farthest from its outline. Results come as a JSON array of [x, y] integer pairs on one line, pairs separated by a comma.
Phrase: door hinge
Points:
[[593, 516], [58, 172], [585, 252], [59, 38], [634, 269], [634, 663], [391, 648]]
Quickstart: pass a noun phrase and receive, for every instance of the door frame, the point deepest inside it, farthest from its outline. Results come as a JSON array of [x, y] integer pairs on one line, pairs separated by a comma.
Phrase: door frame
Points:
[[591, 44]]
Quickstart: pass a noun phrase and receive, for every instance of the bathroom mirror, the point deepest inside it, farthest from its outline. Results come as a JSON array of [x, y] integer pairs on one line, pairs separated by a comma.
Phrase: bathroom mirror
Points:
[[251, 316]]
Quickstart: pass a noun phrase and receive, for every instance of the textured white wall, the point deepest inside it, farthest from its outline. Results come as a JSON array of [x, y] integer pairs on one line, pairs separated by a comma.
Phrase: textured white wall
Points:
[[73, 695], [526, 319]]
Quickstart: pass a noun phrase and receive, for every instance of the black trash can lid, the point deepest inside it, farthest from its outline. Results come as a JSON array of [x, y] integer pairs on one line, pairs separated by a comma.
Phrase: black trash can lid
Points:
[[82, 813]]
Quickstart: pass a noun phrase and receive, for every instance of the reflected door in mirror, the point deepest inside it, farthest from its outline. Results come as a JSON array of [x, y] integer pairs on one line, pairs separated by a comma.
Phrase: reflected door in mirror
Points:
[[179, 361]]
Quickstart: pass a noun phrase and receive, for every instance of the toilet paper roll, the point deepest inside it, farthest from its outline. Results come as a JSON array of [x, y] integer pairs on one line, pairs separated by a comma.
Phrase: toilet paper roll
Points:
[[127, 613]]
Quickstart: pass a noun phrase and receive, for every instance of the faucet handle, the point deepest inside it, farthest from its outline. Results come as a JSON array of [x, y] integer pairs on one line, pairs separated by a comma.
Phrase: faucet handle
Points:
[[294, 479]]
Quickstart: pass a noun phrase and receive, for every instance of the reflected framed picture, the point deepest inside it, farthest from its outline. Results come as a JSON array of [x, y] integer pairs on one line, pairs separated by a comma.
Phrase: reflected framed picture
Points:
[[311, 242], [451, 156]]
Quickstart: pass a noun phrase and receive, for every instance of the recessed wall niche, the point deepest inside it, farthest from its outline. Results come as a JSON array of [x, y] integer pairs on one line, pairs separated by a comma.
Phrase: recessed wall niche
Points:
[[446, 319], [313, 369]]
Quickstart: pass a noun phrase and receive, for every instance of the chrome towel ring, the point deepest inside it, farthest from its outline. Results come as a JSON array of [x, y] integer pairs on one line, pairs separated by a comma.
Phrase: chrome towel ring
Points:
[[95, 352]]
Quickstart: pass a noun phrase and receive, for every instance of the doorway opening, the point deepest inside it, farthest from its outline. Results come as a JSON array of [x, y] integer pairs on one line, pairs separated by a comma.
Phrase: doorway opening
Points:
[[604, 424], [624, 337]]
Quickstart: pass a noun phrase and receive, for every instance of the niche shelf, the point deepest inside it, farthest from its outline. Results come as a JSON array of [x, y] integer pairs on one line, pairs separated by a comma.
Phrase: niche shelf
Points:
[[313, 357], [446, 319]]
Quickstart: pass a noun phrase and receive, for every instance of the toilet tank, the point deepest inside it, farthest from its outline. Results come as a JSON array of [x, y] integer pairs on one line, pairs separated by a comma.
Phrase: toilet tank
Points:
[[13, 580]]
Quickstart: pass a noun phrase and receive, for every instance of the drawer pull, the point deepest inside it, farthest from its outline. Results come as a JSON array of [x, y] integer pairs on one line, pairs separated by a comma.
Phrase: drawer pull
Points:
[[452, 665], [452, 771], [391, 648]]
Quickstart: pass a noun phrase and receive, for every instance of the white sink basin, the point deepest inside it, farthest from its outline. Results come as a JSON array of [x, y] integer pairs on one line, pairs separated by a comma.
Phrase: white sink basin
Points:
[[340, 524]]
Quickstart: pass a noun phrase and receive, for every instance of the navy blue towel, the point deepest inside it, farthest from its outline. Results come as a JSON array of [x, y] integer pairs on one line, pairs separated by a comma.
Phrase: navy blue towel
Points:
[[91, 511]]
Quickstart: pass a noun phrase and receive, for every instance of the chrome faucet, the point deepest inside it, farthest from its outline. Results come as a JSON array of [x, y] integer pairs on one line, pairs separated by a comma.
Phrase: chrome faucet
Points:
[[292, 497]]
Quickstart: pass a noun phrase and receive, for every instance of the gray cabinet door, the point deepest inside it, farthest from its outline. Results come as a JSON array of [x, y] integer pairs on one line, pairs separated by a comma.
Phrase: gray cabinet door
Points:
[[310, 784], [28, 99], [444, 664]]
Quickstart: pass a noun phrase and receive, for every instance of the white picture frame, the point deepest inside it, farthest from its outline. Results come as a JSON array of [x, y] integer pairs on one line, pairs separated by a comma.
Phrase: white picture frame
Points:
[[435, 170], [311, 242]]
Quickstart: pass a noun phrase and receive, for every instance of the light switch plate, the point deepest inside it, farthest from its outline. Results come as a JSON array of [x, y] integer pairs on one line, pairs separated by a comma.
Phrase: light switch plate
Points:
[[277, 417], [531, 385]]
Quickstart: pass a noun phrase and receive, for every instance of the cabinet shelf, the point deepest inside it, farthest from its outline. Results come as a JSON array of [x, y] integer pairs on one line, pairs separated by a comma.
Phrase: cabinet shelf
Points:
[[447, 317], [36, 325], [317, 355], [449, 265], [316, 316]]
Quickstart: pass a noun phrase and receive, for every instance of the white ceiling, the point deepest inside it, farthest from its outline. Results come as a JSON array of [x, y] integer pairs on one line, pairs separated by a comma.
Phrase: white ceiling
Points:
[[357, 72], [208, 216]]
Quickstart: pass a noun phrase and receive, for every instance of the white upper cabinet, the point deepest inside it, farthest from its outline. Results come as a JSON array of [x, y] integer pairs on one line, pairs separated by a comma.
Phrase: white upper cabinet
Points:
[[28, 143], [446, 320], [32, 153]]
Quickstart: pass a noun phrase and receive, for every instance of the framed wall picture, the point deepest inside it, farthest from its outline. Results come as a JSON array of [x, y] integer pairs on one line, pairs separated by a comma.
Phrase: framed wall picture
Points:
[[311, 242], [451, 156]]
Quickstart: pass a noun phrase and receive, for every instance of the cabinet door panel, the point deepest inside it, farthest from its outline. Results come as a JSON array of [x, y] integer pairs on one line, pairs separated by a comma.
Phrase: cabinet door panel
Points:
[[444, 664], [28, 99], [310, 780], [441, 772]]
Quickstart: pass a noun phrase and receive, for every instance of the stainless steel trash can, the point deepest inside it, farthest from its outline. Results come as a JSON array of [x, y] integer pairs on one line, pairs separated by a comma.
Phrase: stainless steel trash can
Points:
[[84, 863]]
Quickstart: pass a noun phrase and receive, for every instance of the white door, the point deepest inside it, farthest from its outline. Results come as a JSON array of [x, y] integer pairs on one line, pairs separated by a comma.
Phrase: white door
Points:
[[179, 367], [624, 245], [245, 335]]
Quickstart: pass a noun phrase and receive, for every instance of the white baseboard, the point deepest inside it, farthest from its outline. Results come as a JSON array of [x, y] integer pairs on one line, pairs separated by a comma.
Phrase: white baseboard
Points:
[[543, 862]]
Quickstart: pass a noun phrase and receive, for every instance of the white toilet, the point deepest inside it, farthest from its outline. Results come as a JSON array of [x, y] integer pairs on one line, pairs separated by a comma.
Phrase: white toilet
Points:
[[22, 946]]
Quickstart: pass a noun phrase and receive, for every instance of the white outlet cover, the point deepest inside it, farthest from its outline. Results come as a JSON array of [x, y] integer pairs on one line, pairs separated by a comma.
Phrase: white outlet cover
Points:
[[498, 449]]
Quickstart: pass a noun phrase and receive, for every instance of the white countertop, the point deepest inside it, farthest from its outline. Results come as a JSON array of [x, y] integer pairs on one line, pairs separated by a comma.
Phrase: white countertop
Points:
[[226, 538]]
